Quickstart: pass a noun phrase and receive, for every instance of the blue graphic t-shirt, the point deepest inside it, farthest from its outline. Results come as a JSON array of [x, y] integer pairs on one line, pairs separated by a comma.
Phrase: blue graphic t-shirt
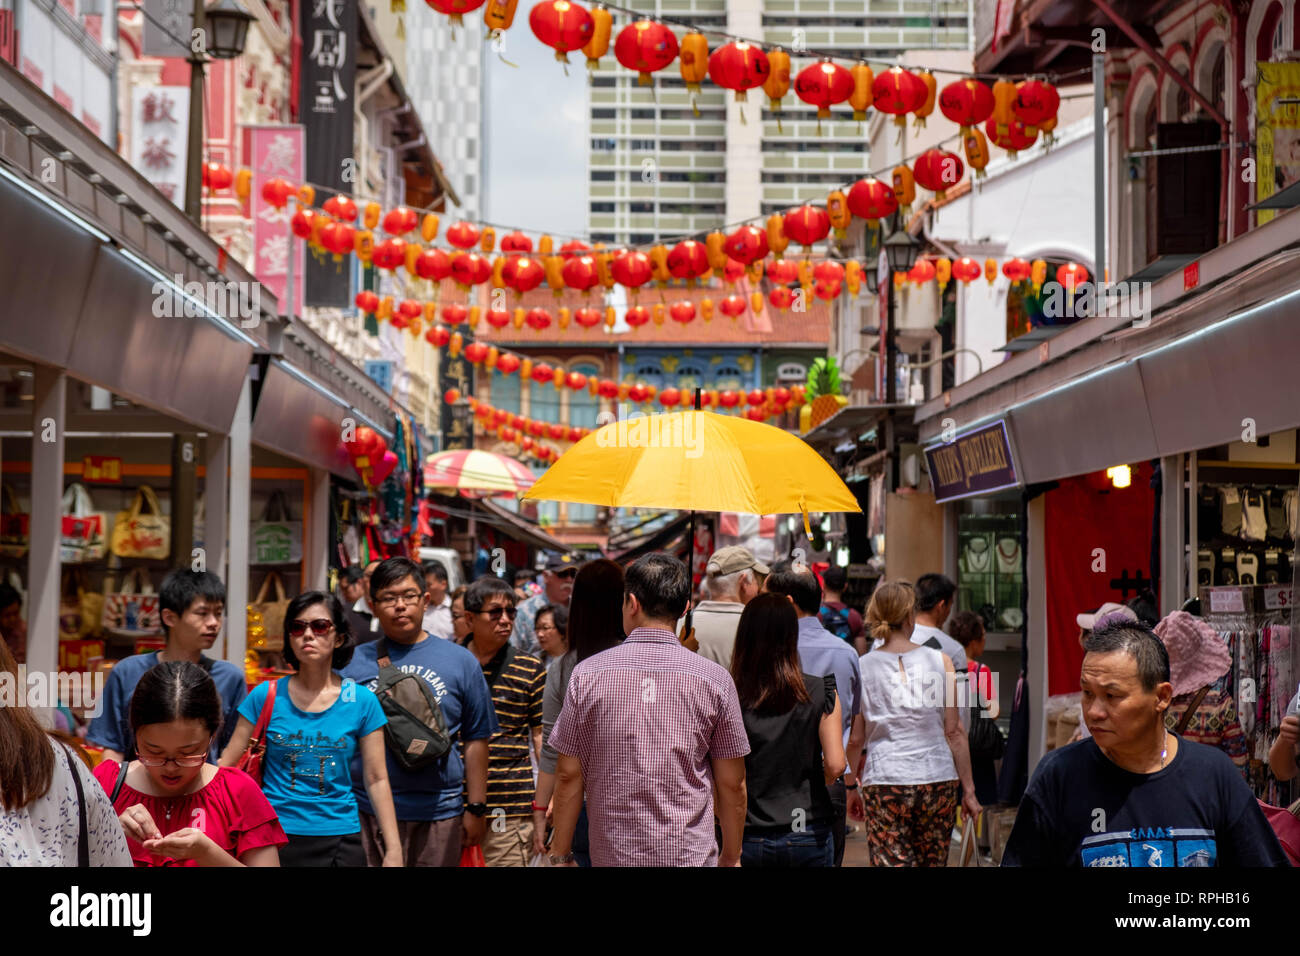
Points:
[[1083, 810], [434, 792], [307, 773]]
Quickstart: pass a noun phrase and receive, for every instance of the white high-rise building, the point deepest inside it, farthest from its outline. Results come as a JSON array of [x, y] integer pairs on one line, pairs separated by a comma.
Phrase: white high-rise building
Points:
[[656, 170]]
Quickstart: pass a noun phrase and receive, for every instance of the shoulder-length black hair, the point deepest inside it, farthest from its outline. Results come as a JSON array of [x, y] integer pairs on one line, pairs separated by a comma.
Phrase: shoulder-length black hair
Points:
[[175, 690], [596, 608], [765, 661], [342, 653]]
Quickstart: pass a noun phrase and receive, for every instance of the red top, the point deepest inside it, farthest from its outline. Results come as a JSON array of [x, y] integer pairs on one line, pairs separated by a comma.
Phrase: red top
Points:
[[230, 809]]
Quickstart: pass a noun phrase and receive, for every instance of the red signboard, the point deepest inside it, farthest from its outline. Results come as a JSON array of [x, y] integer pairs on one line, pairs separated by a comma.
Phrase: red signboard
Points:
[[101, 470], [1191, 276]]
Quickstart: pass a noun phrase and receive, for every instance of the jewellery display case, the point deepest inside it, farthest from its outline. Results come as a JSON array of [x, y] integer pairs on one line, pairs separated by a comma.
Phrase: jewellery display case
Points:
[[990, 568]]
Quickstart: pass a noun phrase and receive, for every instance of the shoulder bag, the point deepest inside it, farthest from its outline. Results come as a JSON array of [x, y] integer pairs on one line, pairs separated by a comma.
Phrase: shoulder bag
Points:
[[250, 761]]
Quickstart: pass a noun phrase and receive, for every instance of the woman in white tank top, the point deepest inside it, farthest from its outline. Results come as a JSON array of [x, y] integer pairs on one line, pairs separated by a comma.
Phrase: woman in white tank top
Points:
[[917, 750]]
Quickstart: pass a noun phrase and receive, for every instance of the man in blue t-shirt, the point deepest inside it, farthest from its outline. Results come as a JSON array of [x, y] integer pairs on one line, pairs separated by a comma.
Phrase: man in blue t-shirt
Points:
[[433, 817], [1135, 793], [192, 604]]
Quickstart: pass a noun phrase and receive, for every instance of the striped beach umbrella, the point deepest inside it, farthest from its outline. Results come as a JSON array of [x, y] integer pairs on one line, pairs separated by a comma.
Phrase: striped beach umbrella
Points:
[[477, 473]]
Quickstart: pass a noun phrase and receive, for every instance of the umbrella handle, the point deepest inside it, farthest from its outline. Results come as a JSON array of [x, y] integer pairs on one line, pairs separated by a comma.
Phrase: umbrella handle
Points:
[[687, 638], [807, 528]]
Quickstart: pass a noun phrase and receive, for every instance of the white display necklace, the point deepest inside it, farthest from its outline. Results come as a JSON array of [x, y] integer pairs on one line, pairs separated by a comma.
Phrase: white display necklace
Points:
[[977, 560]]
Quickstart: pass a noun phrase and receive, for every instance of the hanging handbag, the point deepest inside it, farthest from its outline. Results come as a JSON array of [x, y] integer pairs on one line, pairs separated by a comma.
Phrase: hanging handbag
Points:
[[268, 615], [250, 761], [140, 534], [14, 525], [132, 613], [472, 856], [277, 538], [80, 609], [984, 738], [84, 530]]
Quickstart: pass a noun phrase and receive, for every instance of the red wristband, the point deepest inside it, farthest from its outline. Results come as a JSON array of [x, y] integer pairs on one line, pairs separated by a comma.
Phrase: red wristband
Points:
[[537, 807]]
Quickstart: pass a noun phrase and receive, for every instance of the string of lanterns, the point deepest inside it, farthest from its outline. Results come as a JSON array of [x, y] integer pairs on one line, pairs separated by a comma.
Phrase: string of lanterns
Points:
[[967, 270]]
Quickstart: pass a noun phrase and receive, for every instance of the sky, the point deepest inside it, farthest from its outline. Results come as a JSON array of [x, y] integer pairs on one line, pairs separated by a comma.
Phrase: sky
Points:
[[536, 136]]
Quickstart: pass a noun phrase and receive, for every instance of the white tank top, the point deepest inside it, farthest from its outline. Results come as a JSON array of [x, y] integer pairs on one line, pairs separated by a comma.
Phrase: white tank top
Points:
[[903, 702]]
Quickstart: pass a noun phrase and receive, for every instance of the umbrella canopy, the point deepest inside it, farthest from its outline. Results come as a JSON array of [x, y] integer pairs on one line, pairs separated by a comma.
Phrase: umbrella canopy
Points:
[[698, 461], [477, 473]]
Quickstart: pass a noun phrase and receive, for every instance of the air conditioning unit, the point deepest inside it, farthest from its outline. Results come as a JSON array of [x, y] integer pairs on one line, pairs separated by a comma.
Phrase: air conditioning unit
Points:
[[916, 307]]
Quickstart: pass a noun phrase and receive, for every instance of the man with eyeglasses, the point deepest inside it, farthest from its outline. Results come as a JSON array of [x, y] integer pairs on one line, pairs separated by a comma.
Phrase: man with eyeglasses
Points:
[[441, 807], [557, 586], [518, 682]]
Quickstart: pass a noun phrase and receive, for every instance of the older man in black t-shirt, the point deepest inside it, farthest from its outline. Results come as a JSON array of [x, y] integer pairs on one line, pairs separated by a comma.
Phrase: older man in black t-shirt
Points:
[[1136, 794]]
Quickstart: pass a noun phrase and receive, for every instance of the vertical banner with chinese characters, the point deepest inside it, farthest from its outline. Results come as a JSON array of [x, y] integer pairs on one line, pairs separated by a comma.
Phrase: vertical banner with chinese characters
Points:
[[274, 151], [456, 423], [159, 130], [1277, 125], [329, 70]]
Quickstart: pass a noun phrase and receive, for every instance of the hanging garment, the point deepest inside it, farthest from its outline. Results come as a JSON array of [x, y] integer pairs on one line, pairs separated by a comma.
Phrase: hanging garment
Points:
[[1275, 504], [1291, 502], [1230, 511], [1254, 517], [1247, 567]]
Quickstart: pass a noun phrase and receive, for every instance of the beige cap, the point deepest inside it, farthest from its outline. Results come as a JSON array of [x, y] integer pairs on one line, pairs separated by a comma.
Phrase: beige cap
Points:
[[732, 559]]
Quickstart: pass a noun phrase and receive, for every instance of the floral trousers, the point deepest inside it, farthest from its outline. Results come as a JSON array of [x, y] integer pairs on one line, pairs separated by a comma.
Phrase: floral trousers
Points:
[[911, 825]]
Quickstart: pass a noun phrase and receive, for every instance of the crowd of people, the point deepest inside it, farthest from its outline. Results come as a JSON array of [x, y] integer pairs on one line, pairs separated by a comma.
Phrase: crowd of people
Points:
[[568, 722]]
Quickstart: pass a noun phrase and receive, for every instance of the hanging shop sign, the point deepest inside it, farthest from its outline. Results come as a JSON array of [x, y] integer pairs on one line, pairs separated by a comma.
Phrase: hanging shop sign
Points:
[[976, 463], [329, 79], [277, 152], [456, 424], [101, 470], [159, 143], [1277, 124]]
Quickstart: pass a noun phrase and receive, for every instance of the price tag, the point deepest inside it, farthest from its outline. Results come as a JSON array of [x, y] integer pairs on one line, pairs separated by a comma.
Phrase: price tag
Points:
[[1277, 597], [1226, 600]]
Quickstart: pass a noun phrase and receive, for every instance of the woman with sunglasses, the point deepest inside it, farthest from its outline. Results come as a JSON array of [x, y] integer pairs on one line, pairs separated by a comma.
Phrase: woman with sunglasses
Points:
[[175, 807], [318, 721]]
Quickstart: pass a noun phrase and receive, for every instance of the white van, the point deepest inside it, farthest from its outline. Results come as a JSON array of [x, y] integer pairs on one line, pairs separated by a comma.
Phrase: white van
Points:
[[449, 558]]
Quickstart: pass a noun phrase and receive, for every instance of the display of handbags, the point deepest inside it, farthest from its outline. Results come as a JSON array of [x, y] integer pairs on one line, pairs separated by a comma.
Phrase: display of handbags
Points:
[[13, 525], [141, 533], [277, 538], [84, 530], [132, 611]]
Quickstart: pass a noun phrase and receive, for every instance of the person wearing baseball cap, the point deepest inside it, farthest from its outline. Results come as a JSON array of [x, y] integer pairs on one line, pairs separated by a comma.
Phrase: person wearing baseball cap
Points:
[[557, 586], [733, 578], [1202, 710], [1089, 621]]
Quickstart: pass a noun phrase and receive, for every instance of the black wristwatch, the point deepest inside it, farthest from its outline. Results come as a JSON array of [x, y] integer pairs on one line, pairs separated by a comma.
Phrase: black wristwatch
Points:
[[476, 809]]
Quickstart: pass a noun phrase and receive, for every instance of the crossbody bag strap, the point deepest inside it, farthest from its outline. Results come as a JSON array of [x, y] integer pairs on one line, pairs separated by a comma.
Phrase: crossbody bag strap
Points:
[[264, 718], [121, 779], [381, 654], [83, 828], [1190, 712]]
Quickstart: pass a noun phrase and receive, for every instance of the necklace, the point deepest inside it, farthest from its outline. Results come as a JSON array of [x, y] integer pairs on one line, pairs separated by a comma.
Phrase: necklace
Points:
[[977, 554], [1164, 751]]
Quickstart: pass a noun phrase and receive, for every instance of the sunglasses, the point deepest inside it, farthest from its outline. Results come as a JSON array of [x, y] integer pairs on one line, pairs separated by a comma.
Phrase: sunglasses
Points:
[[496, 612], [320, 627], [568, 574]]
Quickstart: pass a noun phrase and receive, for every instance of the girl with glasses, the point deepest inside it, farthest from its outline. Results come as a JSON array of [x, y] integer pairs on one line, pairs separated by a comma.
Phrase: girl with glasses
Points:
[[175, 807], [318, 722]]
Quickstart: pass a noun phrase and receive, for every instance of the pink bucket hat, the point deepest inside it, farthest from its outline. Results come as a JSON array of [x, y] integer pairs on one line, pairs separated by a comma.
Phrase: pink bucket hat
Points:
[[1197, 655]]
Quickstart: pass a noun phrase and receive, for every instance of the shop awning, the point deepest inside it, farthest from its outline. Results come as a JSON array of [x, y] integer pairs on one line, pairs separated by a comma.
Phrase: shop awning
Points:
[[1288, 198], [670, 537], [521, 529]]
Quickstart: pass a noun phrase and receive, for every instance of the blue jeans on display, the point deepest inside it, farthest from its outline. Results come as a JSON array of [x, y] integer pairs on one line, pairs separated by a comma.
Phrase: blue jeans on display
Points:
[[813, 847]]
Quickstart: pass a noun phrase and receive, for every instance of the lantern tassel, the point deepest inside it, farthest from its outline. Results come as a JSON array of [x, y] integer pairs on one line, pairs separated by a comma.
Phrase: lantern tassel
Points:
[[743, 121]]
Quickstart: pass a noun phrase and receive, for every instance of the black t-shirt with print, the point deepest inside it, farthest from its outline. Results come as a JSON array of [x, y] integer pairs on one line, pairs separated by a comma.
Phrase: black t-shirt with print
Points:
[[1083, 810]]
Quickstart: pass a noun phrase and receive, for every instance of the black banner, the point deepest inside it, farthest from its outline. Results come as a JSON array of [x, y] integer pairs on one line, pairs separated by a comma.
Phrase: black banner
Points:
[[329, 77], [456, 422]]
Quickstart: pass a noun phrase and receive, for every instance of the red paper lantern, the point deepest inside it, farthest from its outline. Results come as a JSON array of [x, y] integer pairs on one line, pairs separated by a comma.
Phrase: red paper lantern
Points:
[[454, 8], [580, 273], [217, 177], [966, 269], [409, 309], [576, 381], [1036, 103], [938, 170], [400, 221], [823, 85], [682, 312], [923, 271], [575, 434], [389, 254], [782, 271], [637, 316], [556, 432], [872, 199], [755, 414], [341, 208], [607, 388], [516, 242], [277, 192], [669, 397], [498, 318], [526, 443], [543, 373], [1017, 270], [781, 395], [732, 306], [828, 271], [475, 353], [367, 301], [437, 336], [807, 225], [688, 260], [729, 399], [538, 319], [780, 297], [338, 238], [453, 313], [739, 66], [1071, 275], [638, 393], [518, 421], [632, 269], [1016, 138], [747, 244], [561, 25], [433, 264], [966, 102], [301, 223], [733, 271], [897, 92], [508, 364], [588, 317], [574, 247], [463, 235], [645, 46], [522, 273], [826, 291], [469, 268], [756, 397]]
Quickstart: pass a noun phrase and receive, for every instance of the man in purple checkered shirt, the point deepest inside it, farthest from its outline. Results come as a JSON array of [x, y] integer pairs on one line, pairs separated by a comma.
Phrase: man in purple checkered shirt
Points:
[[648, 729]]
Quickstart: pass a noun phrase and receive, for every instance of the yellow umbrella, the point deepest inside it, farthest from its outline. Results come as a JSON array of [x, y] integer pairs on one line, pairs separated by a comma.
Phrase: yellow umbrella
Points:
[[696, 461]]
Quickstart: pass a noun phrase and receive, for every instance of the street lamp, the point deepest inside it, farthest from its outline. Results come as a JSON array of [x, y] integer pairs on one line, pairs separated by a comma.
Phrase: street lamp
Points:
[[220, 33], [900, 251]]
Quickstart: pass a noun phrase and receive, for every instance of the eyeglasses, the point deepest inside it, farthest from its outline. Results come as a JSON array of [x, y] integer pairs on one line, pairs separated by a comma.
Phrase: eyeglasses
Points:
[[496, 612], [393, 600], [320, 627], [185, 760], [567, 574], [545, 627]]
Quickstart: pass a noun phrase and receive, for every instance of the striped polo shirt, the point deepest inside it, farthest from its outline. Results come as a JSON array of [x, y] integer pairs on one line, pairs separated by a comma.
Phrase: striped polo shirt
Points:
[[517, 695]]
